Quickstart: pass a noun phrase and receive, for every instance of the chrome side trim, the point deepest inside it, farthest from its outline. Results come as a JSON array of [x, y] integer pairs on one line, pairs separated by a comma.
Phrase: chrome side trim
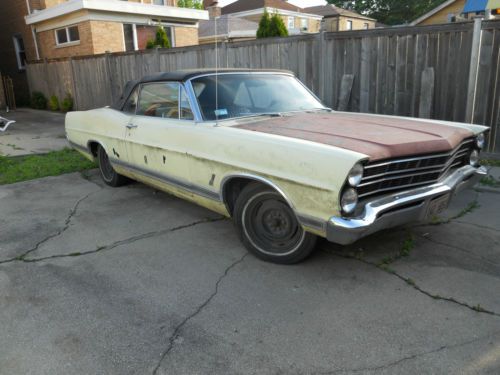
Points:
[[80, 147], [195, 189], [399, 208]]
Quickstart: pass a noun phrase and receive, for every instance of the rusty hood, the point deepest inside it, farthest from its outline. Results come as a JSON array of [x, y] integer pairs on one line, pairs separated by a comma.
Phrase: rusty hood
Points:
[[379, 137]]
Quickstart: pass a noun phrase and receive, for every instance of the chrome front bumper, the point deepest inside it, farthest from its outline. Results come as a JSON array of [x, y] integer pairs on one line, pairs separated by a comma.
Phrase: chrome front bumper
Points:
[[399, 208]]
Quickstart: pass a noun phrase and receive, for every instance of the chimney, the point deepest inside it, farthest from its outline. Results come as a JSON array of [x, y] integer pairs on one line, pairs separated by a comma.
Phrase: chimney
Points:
[[214, 10]]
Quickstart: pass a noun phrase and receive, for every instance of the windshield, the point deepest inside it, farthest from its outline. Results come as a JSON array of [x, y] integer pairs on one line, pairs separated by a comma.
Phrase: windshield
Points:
[[241, 95]]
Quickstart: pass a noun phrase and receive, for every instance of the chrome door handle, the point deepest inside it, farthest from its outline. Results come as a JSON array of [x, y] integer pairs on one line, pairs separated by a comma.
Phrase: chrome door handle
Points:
[[131, 126]]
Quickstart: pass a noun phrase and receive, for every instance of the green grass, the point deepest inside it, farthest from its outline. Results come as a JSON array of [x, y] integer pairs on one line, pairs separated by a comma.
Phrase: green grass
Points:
[[489, 181], [490, 162], [23, 168]]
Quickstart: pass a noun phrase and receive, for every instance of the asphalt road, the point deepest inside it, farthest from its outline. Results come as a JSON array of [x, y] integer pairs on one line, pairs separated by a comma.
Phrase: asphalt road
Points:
[[95, 280]]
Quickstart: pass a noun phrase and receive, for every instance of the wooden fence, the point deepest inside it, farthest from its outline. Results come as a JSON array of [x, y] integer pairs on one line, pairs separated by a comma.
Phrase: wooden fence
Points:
[[387, 67]]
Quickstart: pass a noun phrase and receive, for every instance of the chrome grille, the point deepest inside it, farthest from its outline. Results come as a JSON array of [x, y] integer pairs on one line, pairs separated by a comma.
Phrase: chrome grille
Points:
[[390, 175]]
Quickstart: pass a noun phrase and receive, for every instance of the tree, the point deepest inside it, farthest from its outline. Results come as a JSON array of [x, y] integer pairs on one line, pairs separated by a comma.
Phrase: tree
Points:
[[160, 41], [196, 4], [271, 26], [264, 26], [390, 12], [277, 27]]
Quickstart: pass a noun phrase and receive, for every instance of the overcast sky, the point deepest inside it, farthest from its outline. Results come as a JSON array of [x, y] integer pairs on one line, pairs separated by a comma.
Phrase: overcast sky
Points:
[[300, 3]]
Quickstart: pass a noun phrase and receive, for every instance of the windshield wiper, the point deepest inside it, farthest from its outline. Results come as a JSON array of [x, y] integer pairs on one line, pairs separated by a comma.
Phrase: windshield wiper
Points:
[[270, 114], [320, 109]]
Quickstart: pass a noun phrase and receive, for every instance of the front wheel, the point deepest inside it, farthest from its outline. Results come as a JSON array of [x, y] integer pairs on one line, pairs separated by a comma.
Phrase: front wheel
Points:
[[269, 228], [108, 174]]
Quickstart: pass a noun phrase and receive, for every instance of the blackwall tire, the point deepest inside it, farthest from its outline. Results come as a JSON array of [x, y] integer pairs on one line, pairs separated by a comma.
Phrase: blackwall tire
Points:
[[269, 228], [108, 174]]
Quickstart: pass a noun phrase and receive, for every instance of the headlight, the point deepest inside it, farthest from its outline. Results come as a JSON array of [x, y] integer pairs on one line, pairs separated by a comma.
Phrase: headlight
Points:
[[355, 175], [349, 200], [474, 158], [480, 141]]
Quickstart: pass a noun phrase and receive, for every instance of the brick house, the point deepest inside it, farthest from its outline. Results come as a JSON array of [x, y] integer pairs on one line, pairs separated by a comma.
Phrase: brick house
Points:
[[339, 19], [16, 45], [459, 11], [39, 29], [296, 19]]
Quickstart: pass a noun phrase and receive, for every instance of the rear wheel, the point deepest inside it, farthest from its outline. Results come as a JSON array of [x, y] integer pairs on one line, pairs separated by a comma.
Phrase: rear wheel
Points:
[[269, 228], [108, 174]]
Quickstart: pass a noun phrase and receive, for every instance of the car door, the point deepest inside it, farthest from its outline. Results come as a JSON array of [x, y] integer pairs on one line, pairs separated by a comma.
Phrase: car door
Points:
[[159, 132]]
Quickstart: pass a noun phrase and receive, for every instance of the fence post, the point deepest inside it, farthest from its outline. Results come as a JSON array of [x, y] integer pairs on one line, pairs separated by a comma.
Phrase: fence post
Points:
[[426, 93], [364, 99], [157, 55], [473, 70], [73, 80], [321, 64], [109, 74]]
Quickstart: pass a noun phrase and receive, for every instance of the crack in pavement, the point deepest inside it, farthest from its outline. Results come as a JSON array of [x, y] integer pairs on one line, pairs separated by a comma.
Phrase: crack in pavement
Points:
[[477, 226], [114, 244], [410, 357], [67, 223], [410, 282], [175, 334], [454, 247]]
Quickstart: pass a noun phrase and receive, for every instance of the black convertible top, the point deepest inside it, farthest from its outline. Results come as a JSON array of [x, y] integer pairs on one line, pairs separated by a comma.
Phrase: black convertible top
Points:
[[181, 76]]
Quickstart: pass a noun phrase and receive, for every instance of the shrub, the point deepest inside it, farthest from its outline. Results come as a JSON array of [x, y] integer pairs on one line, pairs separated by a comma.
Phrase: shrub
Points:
[[38, 100], [271, 26], [67, 103], [161, 39], [54, 103], [264, 24], [277, 27]]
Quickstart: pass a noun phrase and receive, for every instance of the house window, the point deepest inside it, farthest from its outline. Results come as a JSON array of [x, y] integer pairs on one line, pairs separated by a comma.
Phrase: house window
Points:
[[67, 35], [20, 52], [366, 26], [128, 36], [349, 25], [159, 2], [291, 22], [303, 23]]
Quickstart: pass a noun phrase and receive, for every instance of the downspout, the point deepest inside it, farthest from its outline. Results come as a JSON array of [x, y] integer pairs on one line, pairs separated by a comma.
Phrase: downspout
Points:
[[33, 33]]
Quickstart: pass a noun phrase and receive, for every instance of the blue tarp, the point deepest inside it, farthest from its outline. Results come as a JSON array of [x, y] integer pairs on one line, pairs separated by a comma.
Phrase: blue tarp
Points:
[[473, 6]]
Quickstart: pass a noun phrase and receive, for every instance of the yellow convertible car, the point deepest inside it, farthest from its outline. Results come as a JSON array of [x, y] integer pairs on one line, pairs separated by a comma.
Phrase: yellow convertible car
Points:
[[259, 147]]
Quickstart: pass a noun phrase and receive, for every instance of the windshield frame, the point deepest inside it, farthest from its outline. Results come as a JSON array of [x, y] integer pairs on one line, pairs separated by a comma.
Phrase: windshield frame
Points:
[[196, 106]]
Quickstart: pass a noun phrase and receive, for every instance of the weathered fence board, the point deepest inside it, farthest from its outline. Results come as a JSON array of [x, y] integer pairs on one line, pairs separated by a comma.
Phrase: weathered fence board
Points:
[[386, 65]]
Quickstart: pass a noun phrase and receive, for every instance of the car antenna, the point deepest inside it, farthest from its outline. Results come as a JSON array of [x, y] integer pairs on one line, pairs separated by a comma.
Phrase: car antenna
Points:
[[216, 75]]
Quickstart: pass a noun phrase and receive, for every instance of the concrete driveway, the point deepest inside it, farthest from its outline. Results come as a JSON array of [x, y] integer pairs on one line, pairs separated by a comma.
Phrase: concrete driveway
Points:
[[34, 132], [95, 280]]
